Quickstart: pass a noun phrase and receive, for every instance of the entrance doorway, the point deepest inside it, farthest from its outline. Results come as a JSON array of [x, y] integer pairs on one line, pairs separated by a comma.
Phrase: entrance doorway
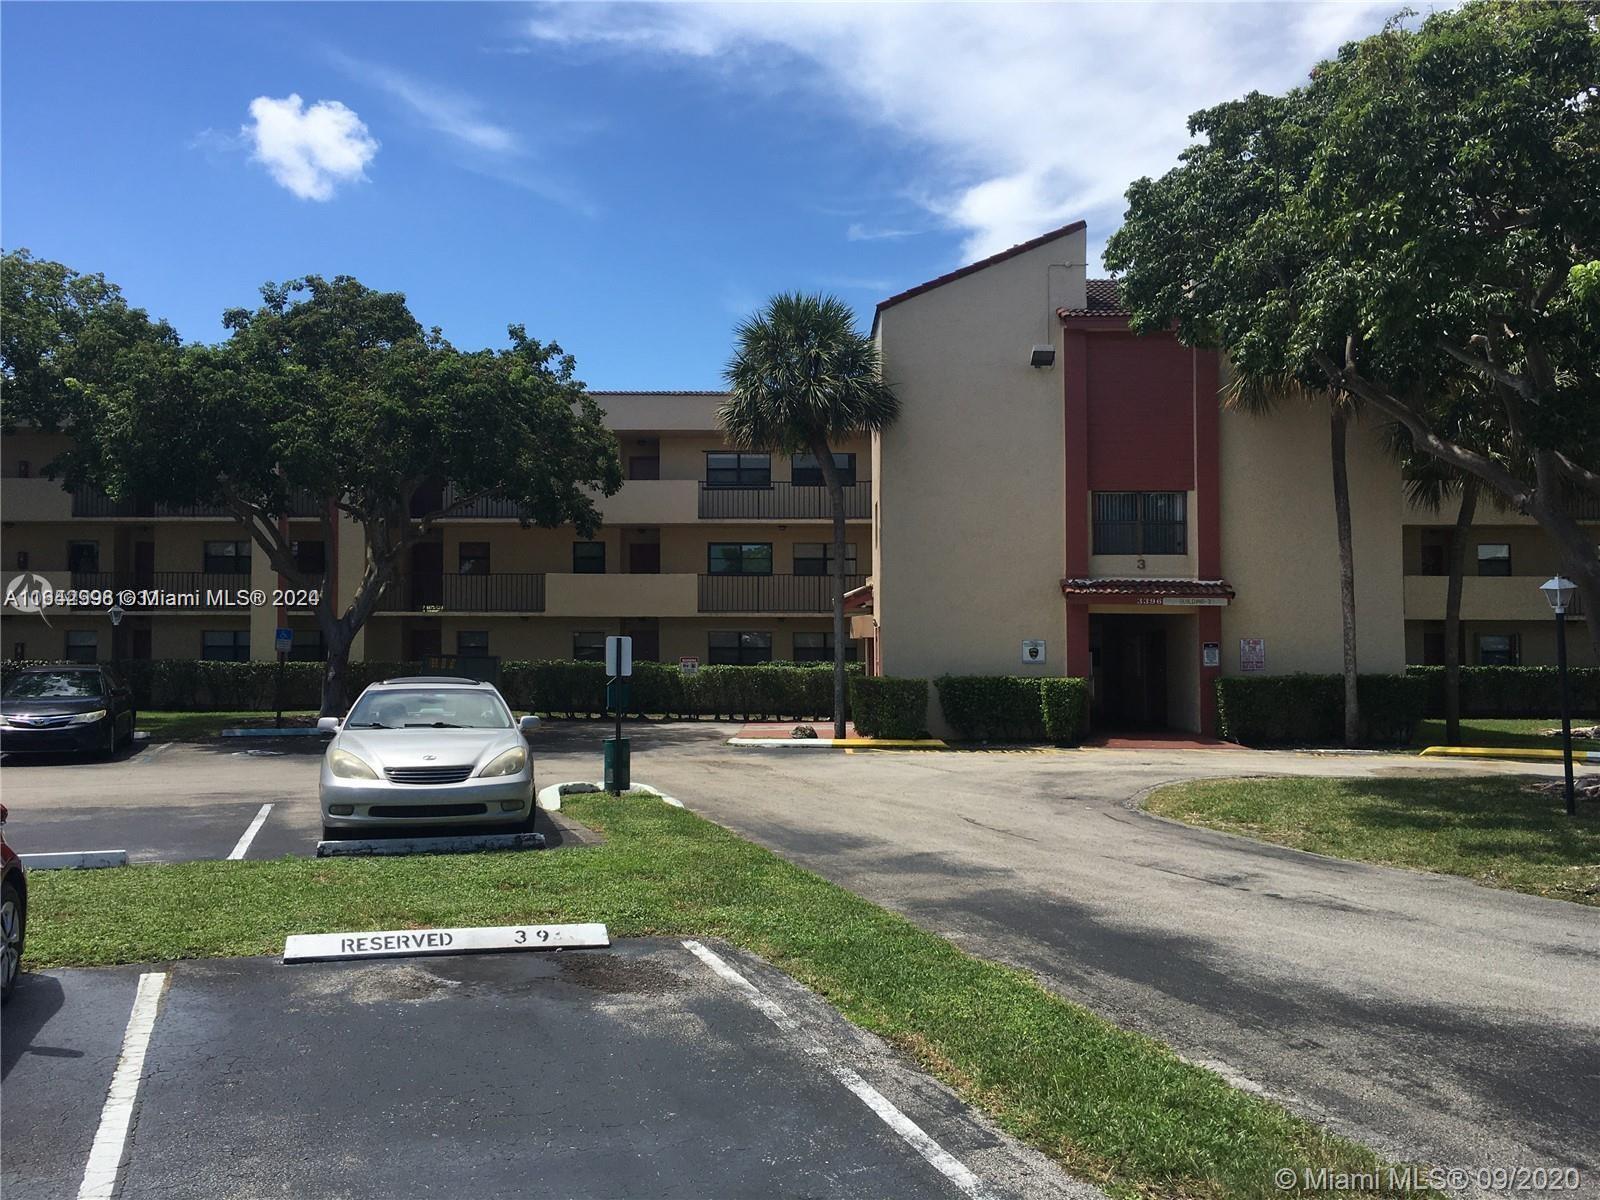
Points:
[[1128, 656]]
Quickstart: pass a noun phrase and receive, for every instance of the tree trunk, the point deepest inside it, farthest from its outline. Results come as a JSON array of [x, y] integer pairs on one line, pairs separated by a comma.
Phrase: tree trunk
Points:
[[830, 476], [334, 672], [1452, 611], [1347, 573]]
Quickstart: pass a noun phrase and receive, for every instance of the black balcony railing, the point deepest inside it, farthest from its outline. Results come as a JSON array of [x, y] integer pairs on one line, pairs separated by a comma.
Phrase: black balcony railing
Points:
[[481, 508], [465, 593], [782, 501], [771, 593], [199, 590], [94, 504]]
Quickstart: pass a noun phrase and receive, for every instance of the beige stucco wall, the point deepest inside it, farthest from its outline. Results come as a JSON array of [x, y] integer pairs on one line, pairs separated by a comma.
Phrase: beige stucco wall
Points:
[[969, 483], [1280, 546]]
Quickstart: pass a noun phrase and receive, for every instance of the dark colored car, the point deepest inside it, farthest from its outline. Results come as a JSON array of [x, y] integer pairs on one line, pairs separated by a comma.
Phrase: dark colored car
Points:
[[13, 913], [49, 710]]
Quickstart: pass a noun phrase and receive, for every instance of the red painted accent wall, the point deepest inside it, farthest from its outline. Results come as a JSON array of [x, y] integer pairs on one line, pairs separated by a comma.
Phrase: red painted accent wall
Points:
[[1140, 413]]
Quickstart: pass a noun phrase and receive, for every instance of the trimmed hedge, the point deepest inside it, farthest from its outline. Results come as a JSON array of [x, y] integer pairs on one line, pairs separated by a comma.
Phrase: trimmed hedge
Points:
[[553, 687], [1277, 710], [1513, 691], [886, 707], [1014, 708]]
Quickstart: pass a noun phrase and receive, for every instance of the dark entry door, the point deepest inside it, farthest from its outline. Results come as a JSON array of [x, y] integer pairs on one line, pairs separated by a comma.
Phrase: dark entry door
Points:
[[1130, 672], [427, 574], [644, 558], [424, 645], [144, 564]]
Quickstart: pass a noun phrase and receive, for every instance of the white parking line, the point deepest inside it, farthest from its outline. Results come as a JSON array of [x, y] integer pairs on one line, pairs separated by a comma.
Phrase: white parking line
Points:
[[915, 1136], [105, 1156], [250, 833], [155, 752]]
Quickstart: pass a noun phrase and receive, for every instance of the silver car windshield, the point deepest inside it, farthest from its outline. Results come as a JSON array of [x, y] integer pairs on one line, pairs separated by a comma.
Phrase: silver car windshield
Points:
[[429, 708]]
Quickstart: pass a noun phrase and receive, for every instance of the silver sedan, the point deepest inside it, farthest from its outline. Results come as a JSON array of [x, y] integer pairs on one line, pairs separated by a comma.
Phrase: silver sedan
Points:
[[426, 751]]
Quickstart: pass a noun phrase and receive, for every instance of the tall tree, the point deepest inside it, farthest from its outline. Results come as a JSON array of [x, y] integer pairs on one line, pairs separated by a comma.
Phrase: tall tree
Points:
[[1419, 217], [802, 379], [333, 390]]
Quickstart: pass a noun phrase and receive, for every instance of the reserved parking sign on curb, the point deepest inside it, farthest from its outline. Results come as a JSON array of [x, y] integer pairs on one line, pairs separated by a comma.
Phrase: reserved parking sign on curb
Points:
[[408, 943]]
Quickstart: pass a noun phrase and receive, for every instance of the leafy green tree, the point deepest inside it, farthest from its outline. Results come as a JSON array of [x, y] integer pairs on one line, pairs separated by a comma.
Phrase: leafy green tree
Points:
[[1419, 218], [332, 390], [801, 380]]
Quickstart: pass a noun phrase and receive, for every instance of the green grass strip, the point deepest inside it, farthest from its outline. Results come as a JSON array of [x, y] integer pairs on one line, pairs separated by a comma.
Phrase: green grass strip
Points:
[[1108, 1105], [1510, 733], [1495, 831]]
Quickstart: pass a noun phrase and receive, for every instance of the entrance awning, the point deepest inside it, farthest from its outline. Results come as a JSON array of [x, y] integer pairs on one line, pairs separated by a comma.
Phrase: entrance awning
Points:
[[1209, 592]]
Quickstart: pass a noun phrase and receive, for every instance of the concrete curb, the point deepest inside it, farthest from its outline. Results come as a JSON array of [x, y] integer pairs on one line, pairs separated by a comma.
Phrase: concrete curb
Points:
[[549, 798], [822, 743], [467, 844], [75, 860], [1529, 754], [269, 731]]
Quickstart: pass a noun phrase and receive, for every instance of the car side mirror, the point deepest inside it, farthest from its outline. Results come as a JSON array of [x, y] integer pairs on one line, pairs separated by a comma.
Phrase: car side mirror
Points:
[[528, 724], [328, 724], [4, 813]]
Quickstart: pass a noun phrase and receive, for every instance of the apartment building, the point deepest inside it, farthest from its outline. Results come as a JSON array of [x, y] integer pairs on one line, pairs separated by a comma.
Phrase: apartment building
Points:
[[705, 553], [1061, 497]]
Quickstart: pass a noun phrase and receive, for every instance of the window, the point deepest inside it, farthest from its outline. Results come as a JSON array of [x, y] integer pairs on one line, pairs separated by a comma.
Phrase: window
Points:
[[805, 472], [225, 645], [473, 558], [738, 649], [1494, 558], [644, 466], [310, 556], [1497, 650], [472, 643], [1141, 522], [227, 558], [589, 647], [728, 469], [82, 645], [588, 558], [739, 558], [1436, 551], [816, 558], [818, 647], [308, 646], [83, 556]]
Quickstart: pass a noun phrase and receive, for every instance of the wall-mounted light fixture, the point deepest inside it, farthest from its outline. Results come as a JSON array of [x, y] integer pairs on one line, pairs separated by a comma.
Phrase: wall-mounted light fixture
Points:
[[1042, 356]]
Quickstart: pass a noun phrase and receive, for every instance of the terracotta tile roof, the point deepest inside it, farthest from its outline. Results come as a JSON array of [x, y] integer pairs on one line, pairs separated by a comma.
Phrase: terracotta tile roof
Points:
[[1102, 301], [949, 276], [1116, 588]]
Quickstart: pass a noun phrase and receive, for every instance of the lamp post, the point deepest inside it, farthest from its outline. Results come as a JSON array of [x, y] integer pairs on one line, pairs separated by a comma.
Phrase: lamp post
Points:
[[1559, 592]]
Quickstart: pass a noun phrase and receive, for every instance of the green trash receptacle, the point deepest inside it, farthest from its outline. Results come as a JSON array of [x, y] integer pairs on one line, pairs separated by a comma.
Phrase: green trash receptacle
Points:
[[618, 773]]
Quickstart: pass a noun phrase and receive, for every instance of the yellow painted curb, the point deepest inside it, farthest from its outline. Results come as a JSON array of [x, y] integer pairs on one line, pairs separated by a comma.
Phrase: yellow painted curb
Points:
[[1528, 753], [890, 743]]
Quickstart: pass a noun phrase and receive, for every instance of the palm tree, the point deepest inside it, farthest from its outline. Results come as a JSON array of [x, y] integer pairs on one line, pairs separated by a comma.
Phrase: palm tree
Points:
[[1259, 394], [802, 379], [1429, 483]]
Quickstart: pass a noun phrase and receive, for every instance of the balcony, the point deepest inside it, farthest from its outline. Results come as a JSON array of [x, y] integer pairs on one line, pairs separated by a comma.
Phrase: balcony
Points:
[[465, 593], [97, 505], [1483, 598], [770, 593], [782, 501], [34, 500]]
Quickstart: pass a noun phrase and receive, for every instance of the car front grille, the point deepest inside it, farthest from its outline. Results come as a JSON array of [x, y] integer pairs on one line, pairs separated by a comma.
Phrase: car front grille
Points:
[[428, 774], [402, 811]]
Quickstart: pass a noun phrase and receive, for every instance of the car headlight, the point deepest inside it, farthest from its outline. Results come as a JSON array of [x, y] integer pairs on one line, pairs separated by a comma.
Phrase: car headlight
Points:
[[347, 766], [509, 763], [88, 718]]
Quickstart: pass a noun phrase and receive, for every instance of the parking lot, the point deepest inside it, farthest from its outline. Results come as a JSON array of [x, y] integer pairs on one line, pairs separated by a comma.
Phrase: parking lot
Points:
[[641, 1070]]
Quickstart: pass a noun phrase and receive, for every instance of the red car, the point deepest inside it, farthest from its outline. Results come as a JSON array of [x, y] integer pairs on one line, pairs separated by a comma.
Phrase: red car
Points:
[[13, 913]]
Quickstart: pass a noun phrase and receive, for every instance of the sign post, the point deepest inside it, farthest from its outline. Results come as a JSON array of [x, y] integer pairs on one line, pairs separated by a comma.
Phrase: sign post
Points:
[[619, 669], [283, 642]]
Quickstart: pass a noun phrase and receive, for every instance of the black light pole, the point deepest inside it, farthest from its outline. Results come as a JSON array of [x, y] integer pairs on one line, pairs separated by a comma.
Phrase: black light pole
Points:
[[1559, 592]]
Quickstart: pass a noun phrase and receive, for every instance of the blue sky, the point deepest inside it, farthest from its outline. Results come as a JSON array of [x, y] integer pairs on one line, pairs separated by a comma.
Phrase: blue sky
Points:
[[625, 179]]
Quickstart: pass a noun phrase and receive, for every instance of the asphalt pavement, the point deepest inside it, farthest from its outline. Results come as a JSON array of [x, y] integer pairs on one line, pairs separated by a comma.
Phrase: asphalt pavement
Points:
[[638, 1071]]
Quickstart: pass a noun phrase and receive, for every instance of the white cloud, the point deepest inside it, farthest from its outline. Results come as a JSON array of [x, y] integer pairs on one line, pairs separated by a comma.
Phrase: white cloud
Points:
[[1029, 115], [857, 232], [445, 111], [311, 150]]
